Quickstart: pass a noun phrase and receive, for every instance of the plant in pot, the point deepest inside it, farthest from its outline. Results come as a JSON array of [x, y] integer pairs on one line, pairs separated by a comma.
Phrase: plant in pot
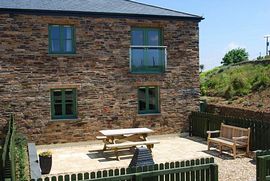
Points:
[[45, 161]]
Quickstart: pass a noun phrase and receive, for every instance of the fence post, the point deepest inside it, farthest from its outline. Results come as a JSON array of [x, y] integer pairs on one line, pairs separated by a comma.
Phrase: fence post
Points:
[[214, 172], [138, 177], [190, 124], [260, 169]]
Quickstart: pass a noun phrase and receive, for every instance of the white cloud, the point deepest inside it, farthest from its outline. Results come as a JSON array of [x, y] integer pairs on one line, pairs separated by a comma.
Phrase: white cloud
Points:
[[233, 45]]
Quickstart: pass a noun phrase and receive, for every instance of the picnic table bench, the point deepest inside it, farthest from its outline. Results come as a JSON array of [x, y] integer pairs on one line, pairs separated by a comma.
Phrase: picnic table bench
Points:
[[118, 139], [230, 136]]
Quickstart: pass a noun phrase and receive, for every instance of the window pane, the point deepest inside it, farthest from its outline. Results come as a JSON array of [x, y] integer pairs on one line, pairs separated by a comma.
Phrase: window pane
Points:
[[153, 38], [137, 37], [58, 109], [153, 57], [69, 96], [55, 45], [137, 57], [57, 96], [67, 32], [141, 98], [55, 32], [152, 98], [68, 45], [69, 110]]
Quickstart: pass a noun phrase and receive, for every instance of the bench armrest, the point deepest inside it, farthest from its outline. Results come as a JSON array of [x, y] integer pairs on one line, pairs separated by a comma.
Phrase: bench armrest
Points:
[[211, 132], [240, 138]]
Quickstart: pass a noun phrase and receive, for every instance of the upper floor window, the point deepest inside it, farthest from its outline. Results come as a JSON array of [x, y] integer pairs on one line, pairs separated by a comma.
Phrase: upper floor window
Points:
[[147, 53], [63, 103], [61, 39]]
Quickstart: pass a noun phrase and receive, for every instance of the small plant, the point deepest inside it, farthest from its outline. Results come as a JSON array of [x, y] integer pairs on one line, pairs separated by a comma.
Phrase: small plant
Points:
[[45, 154], [45, 161]]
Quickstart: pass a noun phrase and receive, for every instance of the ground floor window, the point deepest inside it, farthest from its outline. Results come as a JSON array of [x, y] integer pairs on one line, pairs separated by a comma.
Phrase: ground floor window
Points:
[[148, 99], [64, 103]]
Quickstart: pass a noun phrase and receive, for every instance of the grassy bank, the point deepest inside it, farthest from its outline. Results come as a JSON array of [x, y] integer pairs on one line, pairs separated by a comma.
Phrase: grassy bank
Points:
[[231, 81]]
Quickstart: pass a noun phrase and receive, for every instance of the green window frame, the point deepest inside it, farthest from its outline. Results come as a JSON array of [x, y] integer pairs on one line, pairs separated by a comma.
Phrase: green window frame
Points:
[[146, 52], [145, 35], [148, 99], [64, 103], [63, 39]]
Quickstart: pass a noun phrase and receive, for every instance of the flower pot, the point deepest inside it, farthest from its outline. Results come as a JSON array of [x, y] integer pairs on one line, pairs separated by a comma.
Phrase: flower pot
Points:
[[45, 163]]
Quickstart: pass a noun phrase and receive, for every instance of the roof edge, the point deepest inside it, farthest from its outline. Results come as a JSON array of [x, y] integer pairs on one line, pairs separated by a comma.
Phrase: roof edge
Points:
[[101, 14], [167, 9]]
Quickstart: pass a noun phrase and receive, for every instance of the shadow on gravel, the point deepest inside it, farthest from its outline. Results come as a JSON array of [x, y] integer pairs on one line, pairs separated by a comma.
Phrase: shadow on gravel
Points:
[[109, 155], [223, 156]]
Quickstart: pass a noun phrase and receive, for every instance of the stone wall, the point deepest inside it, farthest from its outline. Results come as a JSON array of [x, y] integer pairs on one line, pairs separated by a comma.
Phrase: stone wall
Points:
[[107, 92]]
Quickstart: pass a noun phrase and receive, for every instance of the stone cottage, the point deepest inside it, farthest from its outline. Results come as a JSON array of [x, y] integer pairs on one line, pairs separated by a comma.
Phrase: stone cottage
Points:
[[69, 68]]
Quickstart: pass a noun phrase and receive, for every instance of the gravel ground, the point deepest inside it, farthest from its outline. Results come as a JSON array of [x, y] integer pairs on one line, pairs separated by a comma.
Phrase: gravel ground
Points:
[[229, 169], [240, 169], [171, 148]]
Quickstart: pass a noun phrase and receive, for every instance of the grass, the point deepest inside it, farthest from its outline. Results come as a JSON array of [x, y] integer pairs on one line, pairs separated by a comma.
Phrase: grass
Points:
[[231, 81]]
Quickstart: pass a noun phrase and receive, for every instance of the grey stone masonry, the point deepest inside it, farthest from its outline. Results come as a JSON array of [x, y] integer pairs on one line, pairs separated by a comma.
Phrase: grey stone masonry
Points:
[[106, 90]]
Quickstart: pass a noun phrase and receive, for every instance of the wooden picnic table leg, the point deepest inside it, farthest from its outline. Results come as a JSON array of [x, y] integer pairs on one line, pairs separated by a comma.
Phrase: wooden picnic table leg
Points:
[[105, 144], [108, 140], [150, 147], [144, 136], [116, 154]]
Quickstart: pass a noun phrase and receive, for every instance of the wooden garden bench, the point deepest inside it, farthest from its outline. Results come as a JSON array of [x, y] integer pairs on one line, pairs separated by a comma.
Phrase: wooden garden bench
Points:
[[118, 146], [230, 136]]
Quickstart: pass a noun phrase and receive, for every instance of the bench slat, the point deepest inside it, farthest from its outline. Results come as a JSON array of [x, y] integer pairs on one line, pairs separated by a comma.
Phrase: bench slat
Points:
[[101, 137], [227, 142], [130, 144]]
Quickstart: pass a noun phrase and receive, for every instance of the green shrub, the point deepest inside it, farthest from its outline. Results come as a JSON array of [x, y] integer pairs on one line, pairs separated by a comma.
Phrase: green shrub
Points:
[[238, 83], [261, 82], [228, 93], [22, 164], [203, 90]]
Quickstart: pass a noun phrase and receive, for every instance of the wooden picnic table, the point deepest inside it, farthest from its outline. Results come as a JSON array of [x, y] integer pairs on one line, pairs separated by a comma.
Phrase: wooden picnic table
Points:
[[125, 138], [126, 132]]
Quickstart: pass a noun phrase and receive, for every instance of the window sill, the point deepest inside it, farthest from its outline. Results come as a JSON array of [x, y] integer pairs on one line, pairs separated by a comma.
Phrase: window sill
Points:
[[140, 73], [149, 114], [62, 55], [65, 120]]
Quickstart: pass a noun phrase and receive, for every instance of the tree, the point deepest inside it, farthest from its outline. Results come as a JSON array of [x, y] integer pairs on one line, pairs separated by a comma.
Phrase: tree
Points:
[[260, 58], [235, 56], [201, 68]]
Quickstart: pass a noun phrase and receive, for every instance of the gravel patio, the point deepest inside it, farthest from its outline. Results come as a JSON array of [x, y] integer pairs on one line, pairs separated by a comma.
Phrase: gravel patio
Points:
[[87, 156]]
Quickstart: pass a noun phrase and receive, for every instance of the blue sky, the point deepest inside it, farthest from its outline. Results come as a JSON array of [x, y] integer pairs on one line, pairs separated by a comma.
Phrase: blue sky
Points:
[[228, 24]]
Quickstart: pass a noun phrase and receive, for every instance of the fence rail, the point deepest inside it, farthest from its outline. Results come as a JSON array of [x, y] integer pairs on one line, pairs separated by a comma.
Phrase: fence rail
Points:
[[192, 170], [263, 165], [260, 130], [8, 155]]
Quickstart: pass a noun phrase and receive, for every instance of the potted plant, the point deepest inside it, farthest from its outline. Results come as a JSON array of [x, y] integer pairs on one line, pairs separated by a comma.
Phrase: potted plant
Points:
[[45, 161]]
